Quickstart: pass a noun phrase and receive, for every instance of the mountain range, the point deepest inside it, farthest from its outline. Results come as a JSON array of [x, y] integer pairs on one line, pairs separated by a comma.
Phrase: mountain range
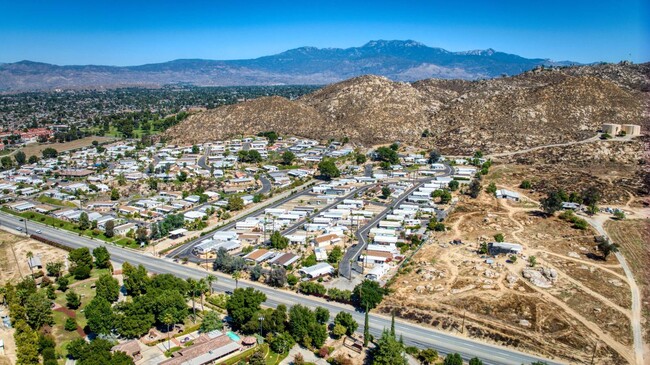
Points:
[[538, 107], [397, 60]]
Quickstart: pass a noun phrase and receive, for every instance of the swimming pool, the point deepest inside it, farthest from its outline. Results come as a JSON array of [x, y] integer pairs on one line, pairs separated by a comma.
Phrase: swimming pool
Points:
[[233, 336]]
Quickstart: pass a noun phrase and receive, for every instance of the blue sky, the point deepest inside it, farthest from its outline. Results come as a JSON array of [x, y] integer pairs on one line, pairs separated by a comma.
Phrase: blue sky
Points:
[[136, 32]]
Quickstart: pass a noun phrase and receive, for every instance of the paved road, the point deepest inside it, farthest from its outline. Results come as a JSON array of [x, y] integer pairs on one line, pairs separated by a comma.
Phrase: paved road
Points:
[[186, 249], [413, 335], [352, 254], [634, 288], [338, 201], [266, 185]]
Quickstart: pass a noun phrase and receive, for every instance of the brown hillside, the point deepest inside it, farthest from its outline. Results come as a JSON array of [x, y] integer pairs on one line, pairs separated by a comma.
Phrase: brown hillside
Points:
[[535, 108]]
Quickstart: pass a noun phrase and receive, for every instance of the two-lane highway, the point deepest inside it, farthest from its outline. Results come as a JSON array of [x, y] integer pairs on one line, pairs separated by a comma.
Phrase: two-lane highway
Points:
[[413, 334]]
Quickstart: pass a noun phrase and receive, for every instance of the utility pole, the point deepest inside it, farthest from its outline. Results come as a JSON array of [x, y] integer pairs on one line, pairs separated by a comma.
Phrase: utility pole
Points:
[[593, 355], [462, 327]]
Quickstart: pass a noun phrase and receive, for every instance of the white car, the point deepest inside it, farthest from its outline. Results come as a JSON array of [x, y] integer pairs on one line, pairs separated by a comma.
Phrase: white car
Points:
[[39, 231]]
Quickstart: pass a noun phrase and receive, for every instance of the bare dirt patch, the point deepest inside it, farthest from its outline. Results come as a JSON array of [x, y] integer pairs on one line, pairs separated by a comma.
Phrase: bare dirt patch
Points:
[[36, 149], [9, 271], [634, 238], [589, 301]]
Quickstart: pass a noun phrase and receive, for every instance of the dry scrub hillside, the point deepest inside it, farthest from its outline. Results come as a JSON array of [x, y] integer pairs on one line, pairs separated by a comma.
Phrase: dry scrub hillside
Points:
[[577, 299], [617, 169], [535, 108]]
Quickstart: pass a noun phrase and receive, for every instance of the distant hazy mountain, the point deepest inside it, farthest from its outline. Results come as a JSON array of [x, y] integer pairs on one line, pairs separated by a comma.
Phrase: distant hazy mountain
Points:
[[397, 60]]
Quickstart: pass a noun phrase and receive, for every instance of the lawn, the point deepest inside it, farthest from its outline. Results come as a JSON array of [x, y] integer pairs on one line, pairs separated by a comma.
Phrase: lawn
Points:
[[69, 226], [47, 200], [62, 336], [113, 132]]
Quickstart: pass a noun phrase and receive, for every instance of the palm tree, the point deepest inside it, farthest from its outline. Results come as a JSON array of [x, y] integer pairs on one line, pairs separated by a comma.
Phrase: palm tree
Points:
[[236, 276], [202, 287], [193, 288], [168, 319], [210, 279], [30, 255]]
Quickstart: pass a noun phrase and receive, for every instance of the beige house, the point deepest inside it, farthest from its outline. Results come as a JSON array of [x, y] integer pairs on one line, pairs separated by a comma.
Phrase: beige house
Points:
[[631, 129], [611, 128]]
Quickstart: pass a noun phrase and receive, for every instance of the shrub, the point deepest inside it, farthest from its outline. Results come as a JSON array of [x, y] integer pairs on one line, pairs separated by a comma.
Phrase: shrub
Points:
[[70, 324]]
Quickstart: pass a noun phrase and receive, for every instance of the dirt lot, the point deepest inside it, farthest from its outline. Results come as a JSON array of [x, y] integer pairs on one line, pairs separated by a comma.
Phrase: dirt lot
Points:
[[634, 238], [21, 246], [37, 148], [587, 301]]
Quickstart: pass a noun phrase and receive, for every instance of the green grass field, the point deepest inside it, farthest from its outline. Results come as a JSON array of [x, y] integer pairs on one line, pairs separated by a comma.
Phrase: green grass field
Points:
[[47, 200], [69, 226]]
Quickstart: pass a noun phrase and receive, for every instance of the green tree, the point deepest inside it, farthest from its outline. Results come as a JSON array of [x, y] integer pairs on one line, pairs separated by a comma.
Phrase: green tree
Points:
[[606, 248], [288, 157], [389, 351], [386, 154], [346, 320], [281, 342], [38, 310], [304, 327], [525, 184], [20, 158], [62, 283], [81, 262], [474, 188], [434, 156], [454, 185], [243, 304], [33, 159], [235, 203], [49, 153], [278, 277], [278, 241], [182, 176], [72, 299], [339, 331], [590, 198], [619, 214], [552, 203], [491, 189], [6, 162], [26, 344], [532, 261], [136, 280], [428, 356], [322, 315], [368, 294], [102, 257], [499, 237], [328, 169], [70, 324], [335, 255], [107, 287], [361, 159], [54, 268], [115, 194], [385, 192], [84, 223], [109, 229], [453, 359], [211, 321], [99, 315]]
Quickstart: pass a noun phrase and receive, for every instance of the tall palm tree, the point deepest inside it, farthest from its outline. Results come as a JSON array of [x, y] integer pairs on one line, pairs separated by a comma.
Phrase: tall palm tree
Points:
[[193, 288], [210, 279], [168, 319], [30, 255], [203, 288], [236, 276]]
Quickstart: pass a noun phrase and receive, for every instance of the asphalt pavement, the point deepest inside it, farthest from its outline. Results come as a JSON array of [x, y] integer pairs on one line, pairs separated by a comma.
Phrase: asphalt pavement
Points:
[[412, 334]]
